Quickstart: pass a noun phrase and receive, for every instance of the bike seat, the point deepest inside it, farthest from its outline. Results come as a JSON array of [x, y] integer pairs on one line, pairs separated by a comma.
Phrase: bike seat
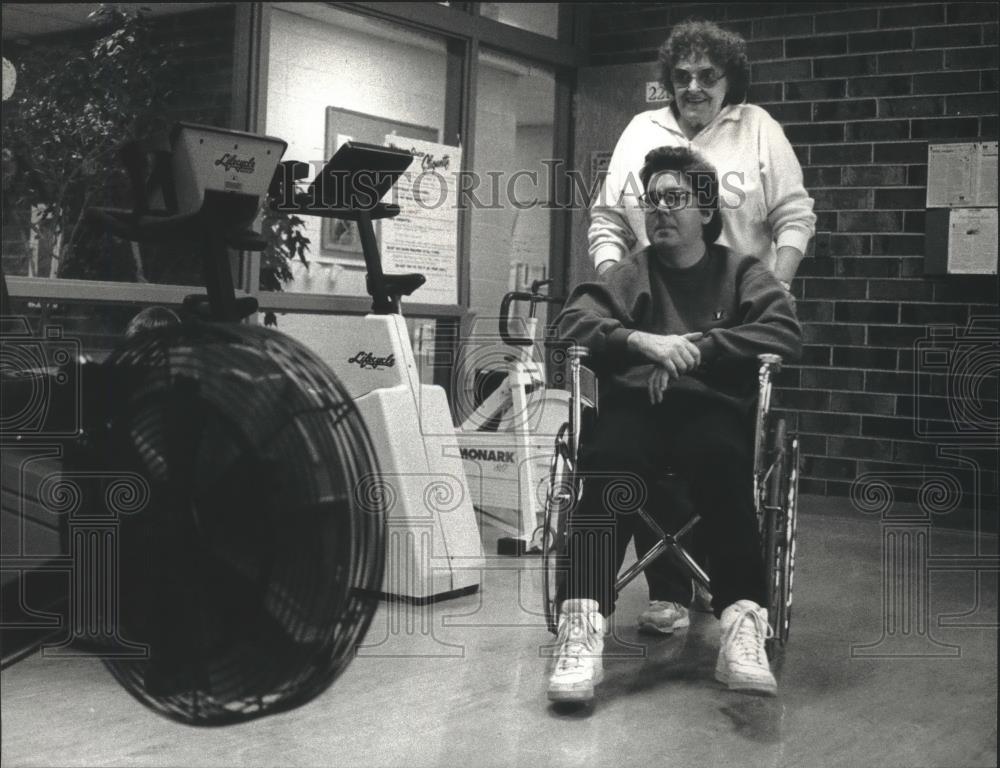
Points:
[[400, 285]]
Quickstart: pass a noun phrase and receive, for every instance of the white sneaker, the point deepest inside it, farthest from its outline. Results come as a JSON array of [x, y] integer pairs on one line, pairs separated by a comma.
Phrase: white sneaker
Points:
[[663, 617], [580, 645], [742, 664]]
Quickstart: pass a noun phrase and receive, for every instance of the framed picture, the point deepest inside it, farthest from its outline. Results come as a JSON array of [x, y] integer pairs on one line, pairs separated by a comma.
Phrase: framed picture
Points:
[[340, 238]]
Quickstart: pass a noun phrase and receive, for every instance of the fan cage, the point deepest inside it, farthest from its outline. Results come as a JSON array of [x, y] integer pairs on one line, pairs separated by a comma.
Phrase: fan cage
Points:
[[253, 571]]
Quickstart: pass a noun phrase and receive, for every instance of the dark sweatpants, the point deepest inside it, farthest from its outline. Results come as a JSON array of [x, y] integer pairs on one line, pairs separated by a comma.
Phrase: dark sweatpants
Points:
[[623, 458]]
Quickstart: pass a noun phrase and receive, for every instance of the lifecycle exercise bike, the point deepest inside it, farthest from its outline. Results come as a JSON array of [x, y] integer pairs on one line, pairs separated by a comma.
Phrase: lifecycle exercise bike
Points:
[[434, 548], [225, 539], [774, 486]]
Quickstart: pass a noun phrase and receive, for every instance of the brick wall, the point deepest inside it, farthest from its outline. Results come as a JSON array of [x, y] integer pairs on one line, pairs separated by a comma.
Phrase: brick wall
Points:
[[860, 89]]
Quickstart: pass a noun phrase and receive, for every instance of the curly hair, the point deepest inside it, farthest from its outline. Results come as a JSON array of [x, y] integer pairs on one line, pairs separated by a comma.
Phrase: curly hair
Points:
[[700, 174], [722, 48]]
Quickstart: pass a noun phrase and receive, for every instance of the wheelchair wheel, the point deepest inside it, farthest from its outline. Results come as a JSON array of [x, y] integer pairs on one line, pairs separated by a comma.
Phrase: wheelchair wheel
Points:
[[559, 500], [790, 514], [773, 524]]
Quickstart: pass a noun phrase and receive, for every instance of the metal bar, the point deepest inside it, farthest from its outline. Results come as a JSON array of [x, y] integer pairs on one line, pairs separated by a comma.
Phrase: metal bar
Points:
[[218, 276], [560, 188], [963, 562], [251, 41], [99, 291], [279, 301], [37, 562], [462, 77], [689, 562], [667, 541], [768, 363], [687, 527], [640, 565], [575, 412]]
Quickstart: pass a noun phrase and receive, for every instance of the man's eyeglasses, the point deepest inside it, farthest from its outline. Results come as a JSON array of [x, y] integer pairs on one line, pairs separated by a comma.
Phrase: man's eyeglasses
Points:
[[706, 78], [667, 200]]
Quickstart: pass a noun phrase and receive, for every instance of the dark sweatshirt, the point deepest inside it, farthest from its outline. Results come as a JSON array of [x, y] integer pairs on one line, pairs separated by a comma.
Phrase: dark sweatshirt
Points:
[[735, 301]]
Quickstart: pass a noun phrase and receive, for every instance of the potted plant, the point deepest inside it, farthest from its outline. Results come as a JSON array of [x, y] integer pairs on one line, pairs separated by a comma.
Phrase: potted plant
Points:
[[73, 108]]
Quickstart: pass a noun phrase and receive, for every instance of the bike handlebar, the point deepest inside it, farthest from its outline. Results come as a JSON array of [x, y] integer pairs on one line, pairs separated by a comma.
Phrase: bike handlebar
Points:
[[534, 297]]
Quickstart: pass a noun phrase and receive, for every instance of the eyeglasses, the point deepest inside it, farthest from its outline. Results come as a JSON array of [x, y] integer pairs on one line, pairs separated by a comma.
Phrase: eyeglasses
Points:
[[667, 200], [706, 78]]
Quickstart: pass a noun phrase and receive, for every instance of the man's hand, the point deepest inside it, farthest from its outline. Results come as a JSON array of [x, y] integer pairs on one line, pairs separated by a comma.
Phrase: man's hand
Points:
[[676, 354], [659, 380]]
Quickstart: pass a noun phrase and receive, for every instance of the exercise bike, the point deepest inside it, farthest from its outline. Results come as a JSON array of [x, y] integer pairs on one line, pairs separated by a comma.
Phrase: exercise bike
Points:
[[507, 441], [434, 549]]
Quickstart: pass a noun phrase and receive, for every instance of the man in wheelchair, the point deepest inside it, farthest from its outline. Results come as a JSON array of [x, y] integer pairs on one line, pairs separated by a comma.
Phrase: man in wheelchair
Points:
[[673, 334]]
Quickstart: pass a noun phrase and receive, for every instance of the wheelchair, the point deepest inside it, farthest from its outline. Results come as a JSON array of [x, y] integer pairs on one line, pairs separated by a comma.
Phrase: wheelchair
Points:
[[774, 487]]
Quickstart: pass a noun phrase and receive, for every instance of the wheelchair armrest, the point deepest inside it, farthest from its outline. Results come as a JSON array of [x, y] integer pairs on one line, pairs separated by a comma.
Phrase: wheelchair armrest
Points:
[[772, 361], [586, 380]]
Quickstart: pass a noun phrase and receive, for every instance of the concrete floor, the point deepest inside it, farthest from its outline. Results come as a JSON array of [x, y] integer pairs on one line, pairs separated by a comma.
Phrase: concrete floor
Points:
[[466, 685]]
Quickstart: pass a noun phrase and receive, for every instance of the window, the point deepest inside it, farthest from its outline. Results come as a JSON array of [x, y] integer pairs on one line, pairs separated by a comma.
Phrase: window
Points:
[[335, 76], [70, 111], [541, 18], [511, 223]]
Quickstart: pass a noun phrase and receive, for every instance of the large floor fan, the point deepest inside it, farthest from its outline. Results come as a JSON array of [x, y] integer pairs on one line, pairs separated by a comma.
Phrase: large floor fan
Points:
[[252, 566]]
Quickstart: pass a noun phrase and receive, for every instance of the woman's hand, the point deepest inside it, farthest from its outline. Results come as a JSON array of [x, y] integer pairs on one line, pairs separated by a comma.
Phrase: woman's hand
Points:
[[785, 267]]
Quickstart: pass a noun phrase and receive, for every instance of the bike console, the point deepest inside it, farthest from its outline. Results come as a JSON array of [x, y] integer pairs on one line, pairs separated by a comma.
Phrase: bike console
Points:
[[351, 187]]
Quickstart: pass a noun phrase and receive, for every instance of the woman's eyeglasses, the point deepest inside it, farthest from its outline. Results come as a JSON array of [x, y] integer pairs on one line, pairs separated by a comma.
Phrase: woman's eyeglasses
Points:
[[706, 78], [667, 200]]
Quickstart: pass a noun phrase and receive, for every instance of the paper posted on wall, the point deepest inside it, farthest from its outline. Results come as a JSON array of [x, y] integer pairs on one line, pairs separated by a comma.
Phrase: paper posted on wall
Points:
[[962, 174], [424, 236], [972, 241]]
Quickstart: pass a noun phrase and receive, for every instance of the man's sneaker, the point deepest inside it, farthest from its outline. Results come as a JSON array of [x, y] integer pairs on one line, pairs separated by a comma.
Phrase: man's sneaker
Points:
[[742, 663], [702, 598], [579, 646], [663, 617]]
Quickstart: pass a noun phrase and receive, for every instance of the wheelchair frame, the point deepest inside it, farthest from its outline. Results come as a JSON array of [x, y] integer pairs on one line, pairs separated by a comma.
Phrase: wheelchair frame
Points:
[[775, 493]]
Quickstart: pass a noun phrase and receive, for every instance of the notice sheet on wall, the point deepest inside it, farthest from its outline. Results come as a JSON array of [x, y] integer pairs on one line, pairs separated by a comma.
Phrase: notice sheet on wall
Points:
[[962, 174], [972, 241], [949, 174], [986, 183], [424, 237]]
